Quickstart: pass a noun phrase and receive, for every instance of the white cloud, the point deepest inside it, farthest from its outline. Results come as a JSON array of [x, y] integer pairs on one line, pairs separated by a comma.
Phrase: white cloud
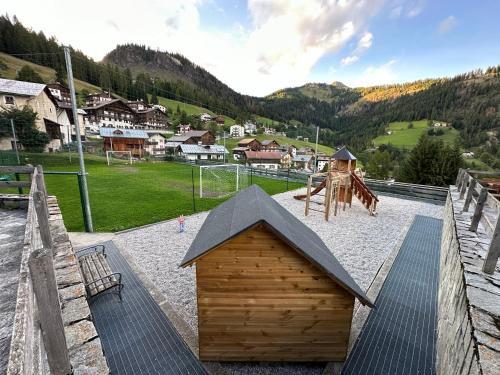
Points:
[[364, 43], [280, 48], [396, 11], [415, 8], [375, 75], [448, 24], [349, 60]]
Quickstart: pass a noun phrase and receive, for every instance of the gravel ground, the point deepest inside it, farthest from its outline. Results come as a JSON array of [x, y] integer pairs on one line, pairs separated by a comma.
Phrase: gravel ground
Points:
[[360, 242]]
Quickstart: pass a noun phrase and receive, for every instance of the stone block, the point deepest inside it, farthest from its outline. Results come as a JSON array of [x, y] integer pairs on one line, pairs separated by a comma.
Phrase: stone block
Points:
[[75, 310], [79, 333]]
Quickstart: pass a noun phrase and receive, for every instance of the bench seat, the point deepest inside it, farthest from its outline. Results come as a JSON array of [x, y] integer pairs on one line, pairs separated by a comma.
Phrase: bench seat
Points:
[[96, 272]]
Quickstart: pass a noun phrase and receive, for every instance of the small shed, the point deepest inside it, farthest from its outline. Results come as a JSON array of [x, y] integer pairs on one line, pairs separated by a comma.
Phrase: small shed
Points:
[[268, 288]]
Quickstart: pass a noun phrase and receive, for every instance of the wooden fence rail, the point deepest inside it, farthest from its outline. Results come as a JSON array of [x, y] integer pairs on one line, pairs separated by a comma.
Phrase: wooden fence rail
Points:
[[471, 189]]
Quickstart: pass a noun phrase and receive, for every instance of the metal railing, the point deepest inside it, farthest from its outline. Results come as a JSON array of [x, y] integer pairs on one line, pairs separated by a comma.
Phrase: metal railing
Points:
[[486, 211]]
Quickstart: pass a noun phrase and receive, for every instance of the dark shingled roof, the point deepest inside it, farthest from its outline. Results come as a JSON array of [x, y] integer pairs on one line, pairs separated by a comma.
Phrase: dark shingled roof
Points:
[[343, 154], [253, 206]]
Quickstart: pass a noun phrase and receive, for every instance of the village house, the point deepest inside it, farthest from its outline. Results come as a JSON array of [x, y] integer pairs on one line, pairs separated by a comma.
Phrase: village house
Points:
[[250, 143], [151, 118], [263, 159], [269, 131], [138, 105], [155, 144], [305, 151], [440, 124], [193, 137], [98, 98], [184, 128], [205, 117], [132, 140], [250, 128], [67, 122], [60, 92], [286, 159], [202, 153], [237, 131], [468, 154], [270, 145], [112, 113], [37, 96], [220, 120], [303, 162], [321, 161]]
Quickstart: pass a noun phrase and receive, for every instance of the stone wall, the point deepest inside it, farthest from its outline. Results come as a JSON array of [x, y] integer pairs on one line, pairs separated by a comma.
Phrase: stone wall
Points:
[[27, 355], [468, 335]]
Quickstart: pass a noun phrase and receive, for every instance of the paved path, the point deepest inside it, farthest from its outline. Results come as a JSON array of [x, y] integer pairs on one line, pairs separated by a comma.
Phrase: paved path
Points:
[[399, 334], [12, 224], [136, 336]]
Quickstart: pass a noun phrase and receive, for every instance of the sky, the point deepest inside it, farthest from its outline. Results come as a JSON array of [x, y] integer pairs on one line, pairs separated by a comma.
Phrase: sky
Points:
[[259, 46]]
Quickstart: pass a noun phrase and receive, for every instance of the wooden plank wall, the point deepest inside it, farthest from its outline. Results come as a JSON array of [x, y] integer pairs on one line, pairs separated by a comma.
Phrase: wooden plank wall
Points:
[[260, 300]]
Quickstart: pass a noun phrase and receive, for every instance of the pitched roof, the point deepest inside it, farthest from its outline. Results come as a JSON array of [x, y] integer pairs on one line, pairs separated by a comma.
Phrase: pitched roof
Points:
[[263, 155], [179, 138], [268, 141], [203, 149], [343, 154], [196, 133], [302, 158], [108, 102], [246, 141], [253, 206], [11, 86], [122, 133]]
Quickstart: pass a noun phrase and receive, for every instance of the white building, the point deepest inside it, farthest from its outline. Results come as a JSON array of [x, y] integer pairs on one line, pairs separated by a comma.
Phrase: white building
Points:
[[237, 131], [250, 128], [468, 154], [160, 107], [155, 144], [202, 152], [205, 117]]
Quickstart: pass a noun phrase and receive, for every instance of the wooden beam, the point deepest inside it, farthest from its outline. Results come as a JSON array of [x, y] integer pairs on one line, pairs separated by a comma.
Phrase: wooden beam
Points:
[[16, 169], [49, 311], [42, 215], [463, 186], [491, 260], [470, 192], [478, 212], [15, 184]]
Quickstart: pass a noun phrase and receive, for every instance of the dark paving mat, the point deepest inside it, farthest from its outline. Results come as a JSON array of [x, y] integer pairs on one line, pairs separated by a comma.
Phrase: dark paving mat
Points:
[[399, 335], [136, 335]]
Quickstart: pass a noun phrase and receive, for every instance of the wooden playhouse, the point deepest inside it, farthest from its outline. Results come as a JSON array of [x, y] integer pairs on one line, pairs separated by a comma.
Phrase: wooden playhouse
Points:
[[268, 288]]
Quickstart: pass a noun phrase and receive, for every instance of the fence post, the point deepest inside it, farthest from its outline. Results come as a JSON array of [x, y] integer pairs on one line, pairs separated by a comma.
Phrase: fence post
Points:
[[459, 175], [45, 288], [19, 189], [82, 201], [40, 185], [463, 186], [493, 252], [42, 219], [287, 178], [237, 177], [192, 184], [251, 176], [470, 192], [479, 209]]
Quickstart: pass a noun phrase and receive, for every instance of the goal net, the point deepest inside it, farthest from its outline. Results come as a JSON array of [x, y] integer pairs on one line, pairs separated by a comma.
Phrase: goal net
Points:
[[119, 157], [220, 180]]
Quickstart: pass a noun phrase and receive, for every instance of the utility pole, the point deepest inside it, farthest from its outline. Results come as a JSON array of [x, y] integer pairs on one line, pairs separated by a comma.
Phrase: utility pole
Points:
[[15, 140], [316, 150], [225, 148], [84, 193]]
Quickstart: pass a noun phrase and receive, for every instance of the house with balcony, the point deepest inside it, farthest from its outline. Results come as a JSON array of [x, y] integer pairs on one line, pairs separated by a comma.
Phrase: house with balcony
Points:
[[200, 153], [237, 131], [37, 96], [112, 113], [263, 159], [155, 144]]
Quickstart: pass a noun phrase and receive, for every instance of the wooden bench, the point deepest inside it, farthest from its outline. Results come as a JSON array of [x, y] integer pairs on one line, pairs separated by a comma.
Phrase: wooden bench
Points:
[[97, 274]]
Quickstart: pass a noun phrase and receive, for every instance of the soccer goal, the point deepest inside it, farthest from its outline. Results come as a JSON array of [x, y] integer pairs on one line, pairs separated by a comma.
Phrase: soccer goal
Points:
[[220, 180], [119, 157]]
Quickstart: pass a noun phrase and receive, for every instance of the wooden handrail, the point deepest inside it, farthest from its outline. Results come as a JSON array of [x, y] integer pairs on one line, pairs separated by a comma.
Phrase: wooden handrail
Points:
[[470, 187]]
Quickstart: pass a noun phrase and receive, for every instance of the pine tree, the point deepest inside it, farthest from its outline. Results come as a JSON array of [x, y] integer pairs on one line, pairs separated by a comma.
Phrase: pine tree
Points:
[[27, 74]]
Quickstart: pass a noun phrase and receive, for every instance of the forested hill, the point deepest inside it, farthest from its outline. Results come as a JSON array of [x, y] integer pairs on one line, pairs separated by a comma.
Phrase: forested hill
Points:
[[352, 116], [173, 67]]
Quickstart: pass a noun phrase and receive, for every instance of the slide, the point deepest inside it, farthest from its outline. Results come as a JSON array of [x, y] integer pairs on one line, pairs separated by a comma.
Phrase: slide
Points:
[[313, 192]]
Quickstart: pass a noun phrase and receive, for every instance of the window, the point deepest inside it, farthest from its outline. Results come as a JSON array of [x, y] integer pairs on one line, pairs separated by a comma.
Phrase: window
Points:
[[9, 100]]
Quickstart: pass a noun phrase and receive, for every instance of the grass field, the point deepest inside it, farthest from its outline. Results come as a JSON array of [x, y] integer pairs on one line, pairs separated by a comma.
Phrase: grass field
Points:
[[233, 142], [124, 196], [402, 137]]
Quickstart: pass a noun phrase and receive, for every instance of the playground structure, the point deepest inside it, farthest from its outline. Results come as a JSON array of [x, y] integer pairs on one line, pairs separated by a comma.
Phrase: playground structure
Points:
[[340, 183]]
